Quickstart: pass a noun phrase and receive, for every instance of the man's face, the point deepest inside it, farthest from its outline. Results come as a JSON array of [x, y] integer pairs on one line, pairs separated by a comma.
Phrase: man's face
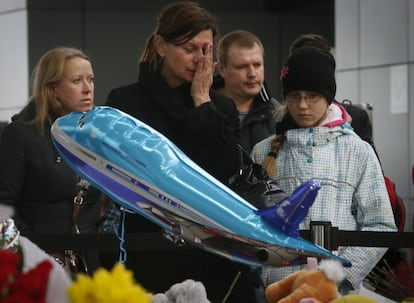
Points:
[[244, 72]]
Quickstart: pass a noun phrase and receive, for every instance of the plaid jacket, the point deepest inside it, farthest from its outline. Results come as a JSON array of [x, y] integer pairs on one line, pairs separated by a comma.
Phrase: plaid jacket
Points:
[[353, 195]]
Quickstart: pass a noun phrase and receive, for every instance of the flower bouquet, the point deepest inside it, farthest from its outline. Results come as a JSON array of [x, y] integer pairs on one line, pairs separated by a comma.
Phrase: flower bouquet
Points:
[[30, 275], [17, 286], [27, 273]]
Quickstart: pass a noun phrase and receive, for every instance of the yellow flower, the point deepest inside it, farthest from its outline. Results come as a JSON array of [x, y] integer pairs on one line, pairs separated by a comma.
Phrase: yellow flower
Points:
[[115, 286]]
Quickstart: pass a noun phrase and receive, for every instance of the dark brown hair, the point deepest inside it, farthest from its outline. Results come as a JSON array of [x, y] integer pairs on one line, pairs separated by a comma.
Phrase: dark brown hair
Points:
[[178, 23], [310, 40]]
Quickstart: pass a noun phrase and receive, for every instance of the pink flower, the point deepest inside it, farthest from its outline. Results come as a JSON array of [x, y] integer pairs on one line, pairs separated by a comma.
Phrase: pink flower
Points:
[[284, 72]]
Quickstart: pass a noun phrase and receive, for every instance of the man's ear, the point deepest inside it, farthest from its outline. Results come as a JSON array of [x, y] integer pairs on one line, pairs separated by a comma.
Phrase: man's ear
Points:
[[159, 45], [221, 68]]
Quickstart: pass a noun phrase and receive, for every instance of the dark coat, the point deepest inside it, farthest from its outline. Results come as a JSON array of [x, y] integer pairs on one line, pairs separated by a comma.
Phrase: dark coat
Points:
[[259, 123], [360, 122], [39, 184], [208, 134]]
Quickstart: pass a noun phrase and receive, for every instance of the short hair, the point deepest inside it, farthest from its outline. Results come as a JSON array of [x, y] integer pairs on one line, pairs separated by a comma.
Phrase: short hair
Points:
[[240, 38], [310, 40], [178, 23]]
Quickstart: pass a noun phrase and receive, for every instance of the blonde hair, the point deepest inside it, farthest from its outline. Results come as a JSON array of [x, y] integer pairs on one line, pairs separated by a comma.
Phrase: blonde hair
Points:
[[178, 23], [46, 74]]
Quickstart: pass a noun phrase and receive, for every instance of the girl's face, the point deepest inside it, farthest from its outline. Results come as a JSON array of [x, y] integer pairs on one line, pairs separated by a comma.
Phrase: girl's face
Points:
[[75, 91], [308, 109], [179, 62]]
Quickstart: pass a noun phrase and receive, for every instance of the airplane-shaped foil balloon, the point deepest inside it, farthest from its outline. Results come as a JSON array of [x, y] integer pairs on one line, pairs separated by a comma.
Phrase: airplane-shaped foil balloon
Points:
[[145, 172]]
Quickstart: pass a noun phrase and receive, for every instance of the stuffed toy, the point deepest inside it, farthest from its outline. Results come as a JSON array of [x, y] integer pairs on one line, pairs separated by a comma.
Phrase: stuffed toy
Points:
[[318, 284], [189, 291], [344, 299], [354, 299]]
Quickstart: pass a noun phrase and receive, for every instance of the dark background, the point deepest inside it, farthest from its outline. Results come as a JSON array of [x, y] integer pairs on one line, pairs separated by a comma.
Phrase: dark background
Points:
[[114, 33]]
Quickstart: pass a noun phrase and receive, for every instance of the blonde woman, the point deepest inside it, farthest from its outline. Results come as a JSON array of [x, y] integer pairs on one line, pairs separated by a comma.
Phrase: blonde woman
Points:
[[34, 180]]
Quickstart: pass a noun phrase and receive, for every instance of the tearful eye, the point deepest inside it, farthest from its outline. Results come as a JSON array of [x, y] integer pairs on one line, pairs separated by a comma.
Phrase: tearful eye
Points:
[[188, 49]]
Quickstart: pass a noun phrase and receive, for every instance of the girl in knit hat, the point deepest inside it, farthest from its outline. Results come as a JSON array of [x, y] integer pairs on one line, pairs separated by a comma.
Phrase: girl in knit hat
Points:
[[314, 140]]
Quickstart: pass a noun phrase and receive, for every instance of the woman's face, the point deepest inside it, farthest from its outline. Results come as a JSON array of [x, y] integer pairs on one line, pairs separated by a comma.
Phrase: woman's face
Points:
[[308, 109], [75, 91], [179, 62]]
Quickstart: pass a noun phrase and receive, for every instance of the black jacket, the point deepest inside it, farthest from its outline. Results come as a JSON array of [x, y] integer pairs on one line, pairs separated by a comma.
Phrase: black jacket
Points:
[[360, 122], [208, 134], [39, 184], [260, 120]]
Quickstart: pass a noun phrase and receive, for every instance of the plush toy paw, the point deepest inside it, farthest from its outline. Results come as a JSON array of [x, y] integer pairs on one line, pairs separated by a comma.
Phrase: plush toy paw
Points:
[[309, 300], [317, 285], [354, 299], [344, 299], [189, 291]]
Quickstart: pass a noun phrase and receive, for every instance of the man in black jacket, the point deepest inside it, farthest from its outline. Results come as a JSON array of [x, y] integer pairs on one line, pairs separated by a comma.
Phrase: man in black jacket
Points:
[[241, 77]]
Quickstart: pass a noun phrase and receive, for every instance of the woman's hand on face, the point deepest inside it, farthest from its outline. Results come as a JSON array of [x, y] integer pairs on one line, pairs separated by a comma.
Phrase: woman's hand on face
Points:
[[203, 77]]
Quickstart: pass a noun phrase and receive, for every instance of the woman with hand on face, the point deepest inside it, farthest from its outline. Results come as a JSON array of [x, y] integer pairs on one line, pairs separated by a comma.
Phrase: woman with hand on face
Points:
[[34, 180], [173, 92], [173, 96]]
